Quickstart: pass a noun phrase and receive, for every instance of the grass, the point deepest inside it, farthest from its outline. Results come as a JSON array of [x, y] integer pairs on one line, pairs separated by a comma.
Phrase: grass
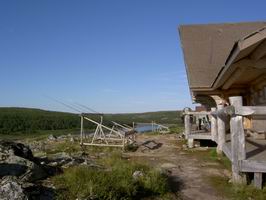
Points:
[[236, 192], [37, 135], [115, 182], [221, 159], [176, 129], [222, 185], [210, 155]]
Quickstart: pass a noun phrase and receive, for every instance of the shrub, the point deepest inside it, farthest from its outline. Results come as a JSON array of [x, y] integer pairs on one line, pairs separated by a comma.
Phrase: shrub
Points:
[[115, 182]]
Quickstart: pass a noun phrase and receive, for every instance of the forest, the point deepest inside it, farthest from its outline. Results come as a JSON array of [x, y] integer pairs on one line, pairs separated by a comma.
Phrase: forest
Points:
[[26, 120]]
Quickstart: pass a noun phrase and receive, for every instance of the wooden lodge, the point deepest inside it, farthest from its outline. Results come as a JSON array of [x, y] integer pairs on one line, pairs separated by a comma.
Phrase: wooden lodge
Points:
[[226, 69]]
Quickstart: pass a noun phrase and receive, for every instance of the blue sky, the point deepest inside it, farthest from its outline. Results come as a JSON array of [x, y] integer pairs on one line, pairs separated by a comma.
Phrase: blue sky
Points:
[[113, 56]]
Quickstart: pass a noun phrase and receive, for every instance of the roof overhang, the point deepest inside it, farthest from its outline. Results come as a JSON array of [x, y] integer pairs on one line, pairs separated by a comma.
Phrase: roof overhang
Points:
[[247, 53]]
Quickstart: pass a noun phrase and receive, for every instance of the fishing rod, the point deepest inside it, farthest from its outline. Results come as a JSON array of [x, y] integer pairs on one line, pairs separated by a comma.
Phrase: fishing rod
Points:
[[88, 108], [74, 107], [64, 104]]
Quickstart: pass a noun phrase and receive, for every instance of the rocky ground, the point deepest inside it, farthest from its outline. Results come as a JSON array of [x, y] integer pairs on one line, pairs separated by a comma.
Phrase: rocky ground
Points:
[[188, 171], [25, 170]]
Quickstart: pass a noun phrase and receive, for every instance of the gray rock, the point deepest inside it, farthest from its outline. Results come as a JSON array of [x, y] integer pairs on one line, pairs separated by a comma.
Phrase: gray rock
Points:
[[137, 175], [52, 137], [10, 188], [16, 159], [18, 149], [72, 139], [18, 166]]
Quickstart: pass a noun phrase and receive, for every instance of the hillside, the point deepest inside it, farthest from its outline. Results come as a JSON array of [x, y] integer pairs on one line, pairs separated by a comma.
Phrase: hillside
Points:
[[28, 119]]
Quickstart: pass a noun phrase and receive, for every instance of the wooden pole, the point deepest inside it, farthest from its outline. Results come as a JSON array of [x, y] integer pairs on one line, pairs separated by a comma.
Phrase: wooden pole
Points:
[[187, 124], [238, 144], [258, 180], [214, 126], [81, 129], [221, 131]]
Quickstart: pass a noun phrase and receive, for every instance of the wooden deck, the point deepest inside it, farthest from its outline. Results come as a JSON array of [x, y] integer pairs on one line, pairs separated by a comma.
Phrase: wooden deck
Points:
[[255, 155], [246, 153], [255, 151], [200, 135]]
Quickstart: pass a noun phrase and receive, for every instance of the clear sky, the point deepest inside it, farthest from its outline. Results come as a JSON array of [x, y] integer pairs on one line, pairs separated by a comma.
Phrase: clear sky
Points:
[[111, 55]]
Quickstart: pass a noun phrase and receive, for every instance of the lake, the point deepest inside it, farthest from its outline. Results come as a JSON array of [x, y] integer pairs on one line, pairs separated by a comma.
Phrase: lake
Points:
[[145, 128]]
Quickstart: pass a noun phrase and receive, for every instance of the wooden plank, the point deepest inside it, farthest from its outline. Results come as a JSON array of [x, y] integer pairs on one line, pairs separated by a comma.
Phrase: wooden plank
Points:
[[233, 77], [223, 112], [197, 113], [221, 131], [103, 126], [103, 145], [259, 52], [258, 180], [252, 166], [240, 110], [200, 137], [250, 110]]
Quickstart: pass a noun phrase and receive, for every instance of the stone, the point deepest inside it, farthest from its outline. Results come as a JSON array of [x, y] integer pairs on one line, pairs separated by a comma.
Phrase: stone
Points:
[[52, 138], [18, 149], [137, 175], [17, 159], [10, 188], [72, 139], [184, 146]]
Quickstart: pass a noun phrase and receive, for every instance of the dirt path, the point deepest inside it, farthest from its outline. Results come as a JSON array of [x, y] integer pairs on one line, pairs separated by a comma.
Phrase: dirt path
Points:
[[188, 172]]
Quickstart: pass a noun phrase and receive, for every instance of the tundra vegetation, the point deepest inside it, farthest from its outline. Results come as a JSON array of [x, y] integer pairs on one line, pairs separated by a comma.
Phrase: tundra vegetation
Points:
[[34, 121], [119, 179], [111, 174]]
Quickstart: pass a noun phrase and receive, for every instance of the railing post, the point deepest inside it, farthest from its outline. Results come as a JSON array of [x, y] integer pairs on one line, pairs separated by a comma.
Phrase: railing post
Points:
[[213, 126], [221, 131], [238, 144]]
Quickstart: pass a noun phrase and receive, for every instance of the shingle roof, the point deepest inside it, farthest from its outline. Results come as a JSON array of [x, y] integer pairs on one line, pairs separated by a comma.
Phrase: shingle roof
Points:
[[207, 47]]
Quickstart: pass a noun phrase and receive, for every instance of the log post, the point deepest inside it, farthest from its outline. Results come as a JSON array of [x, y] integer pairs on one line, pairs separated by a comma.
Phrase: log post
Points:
[[214, 126], [187, 124], [221, 131], [258, 180], [238, 144]]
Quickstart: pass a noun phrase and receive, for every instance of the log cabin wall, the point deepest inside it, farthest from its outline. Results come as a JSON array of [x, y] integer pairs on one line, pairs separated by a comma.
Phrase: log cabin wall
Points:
[[258, 98]]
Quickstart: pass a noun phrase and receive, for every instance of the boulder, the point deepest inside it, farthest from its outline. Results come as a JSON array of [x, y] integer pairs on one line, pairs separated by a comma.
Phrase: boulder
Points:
[[17, 160], [52, 138], [10, 188], [18, 149]]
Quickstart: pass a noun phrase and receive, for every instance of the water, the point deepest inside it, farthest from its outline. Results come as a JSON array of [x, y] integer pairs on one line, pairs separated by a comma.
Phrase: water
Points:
[[145, 128]]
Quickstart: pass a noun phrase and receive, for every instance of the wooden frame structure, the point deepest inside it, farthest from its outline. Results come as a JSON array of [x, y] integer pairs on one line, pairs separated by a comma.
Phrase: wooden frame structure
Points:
[[105, 136]]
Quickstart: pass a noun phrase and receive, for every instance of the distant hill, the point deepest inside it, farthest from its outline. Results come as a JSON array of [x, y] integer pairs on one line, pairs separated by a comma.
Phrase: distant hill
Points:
[[29, 119]]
